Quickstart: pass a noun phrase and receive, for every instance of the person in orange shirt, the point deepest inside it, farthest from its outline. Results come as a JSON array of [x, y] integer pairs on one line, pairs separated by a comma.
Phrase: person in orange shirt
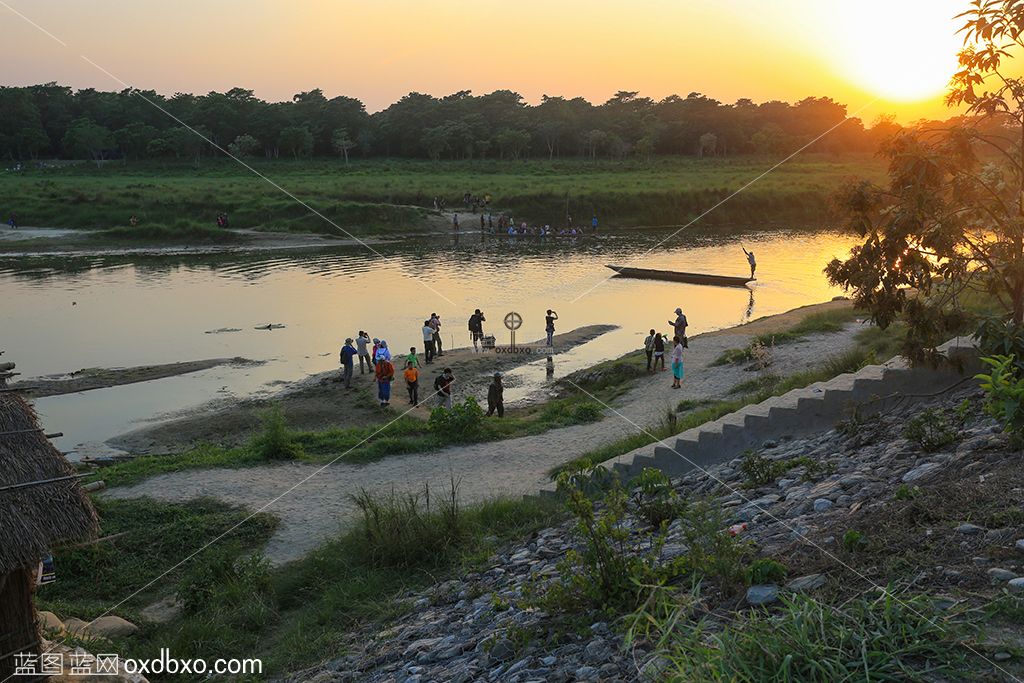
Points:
[[412, 383]]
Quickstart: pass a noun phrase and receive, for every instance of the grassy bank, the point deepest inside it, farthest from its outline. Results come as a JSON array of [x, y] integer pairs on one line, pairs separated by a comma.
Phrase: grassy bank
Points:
[[234, 605], [376, 197]]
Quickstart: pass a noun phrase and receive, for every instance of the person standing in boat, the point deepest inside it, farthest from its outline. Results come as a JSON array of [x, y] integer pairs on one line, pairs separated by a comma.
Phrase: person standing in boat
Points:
[[751, 260]]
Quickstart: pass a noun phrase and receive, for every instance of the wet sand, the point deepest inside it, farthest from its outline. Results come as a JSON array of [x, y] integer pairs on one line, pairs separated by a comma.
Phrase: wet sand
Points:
[[321, 401], [100, 378]]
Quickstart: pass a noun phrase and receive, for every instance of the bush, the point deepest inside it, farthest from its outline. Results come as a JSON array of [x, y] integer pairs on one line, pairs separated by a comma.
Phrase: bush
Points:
[[276, 441], [655, 500], [240, 585], [713, 552], [1004, 392], [934, 428], [462, 422], [766, 570], [587, 411], [409, 529], [761, 471]]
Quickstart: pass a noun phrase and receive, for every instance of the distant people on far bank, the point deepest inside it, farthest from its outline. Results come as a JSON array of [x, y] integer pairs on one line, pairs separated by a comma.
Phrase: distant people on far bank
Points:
[[496, 396], [362, 339], [476, 328], [428, 341], [593, 223], [677, 362], [549, 325], [133, 221], [443, 387], [455, 222], [649, 349], [750, 260], [679, 326], [347, 359], [12, 221], [222, 220]]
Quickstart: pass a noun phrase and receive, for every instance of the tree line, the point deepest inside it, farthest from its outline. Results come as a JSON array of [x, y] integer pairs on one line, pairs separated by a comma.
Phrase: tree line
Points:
[[54, 121]]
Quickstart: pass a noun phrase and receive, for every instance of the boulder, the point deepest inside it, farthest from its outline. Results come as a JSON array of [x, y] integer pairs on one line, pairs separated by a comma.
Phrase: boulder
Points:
[[110, 627], [75, 626], [762, 595], [49, 622]]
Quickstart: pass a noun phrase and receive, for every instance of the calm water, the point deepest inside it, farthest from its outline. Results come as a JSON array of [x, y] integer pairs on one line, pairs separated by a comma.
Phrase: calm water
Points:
[[60, 315]]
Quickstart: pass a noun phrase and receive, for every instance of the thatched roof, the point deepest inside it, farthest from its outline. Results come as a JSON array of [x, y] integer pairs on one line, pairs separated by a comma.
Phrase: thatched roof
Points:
[[36, 519]]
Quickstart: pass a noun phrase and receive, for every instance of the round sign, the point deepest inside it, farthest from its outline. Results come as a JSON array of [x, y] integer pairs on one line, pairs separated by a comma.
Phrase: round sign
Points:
[[513, 321]]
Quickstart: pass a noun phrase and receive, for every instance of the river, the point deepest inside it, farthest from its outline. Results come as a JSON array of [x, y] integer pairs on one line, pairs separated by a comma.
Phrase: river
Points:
[[64, 314]]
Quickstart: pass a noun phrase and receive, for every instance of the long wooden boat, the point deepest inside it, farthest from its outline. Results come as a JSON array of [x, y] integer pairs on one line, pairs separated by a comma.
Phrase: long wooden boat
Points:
[[676, 276]]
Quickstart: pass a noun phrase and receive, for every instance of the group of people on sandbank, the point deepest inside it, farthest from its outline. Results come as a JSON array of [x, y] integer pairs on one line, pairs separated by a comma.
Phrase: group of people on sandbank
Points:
[[505, 225], [655, 344], [375, 356]]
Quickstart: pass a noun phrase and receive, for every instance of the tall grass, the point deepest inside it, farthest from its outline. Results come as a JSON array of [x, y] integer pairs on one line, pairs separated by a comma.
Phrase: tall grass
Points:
[[817, 323]]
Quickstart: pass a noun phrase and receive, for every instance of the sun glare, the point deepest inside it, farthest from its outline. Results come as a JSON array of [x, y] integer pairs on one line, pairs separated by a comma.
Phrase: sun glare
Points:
[[901, 50]]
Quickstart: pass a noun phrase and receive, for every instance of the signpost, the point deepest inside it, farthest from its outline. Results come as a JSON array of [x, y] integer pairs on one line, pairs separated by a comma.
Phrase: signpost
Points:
[[513, 321]]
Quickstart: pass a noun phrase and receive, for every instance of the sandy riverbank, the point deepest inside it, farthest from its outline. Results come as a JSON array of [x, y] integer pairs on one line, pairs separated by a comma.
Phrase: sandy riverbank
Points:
[[321, 401], [88, 379]]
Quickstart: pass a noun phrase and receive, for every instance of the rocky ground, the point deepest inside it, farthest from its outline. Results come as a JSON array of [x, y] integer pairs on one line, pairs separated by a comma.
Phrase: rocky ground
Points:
[[946, 521]]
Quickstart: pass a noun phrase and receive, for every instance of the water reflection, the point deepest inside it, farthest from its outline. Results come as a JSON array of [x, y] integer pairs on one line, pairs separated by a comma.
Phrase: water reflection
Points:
[[137, 310]]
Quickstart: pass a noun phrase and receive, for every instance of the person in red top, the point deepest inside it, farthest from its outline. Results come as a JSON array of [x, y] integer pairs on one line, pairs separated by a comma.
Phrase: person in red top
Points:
[[385, 374]]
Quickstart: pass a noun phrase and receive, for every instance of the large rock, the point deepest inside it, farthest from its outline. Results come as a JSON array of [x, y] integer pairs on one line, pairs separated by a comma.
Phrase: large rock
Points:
[[50, 622], [806, 583], [762, 595], [110, 627], [75, 625], [919, 471]]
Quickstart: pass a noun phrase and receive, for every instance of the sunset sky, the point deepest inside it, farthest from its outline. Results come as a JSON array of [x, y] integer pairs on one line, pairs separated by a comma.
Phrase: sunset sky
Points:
[[876, 56]]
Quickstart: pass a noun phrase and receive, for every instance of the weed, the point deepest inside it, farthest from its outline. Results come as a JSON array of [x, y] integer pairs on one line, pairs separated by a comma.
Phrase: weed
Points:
[[934, 429], [276, 441], [766, 570], [654, 498], [462, 422], [905, 492], [854, 541], [761, 471]]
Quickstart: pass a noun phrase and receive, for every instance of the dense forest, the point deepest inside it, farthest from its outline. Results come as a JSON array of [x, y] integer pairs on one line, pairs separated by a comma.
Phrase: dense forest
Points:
[[54, 121]]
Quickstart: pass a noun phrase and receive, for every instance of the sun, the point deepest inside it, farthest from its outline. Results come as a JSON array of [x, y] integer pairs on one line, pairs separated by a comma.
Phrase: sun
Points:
[[900, 50]]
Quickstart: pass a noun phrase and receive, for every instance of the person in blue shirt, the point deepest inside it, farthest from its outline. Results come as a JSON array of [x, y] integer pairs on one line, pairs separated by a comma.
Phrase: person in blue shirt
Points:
[[593, 223], [347, 358]]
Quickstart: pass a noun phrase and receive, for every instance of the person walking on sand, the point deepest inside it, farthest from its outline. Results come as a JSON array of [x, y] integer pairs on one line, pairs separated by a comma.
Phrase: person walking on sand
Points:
[[361, 339], [428, 342], [435, 322], [751, 260], [443, 387], [496, 396], [679, 326], [476, 328], [677, 362], [649, 349], [385, 374], [347, 358], [659, 351], [412, 383], [549, 325]]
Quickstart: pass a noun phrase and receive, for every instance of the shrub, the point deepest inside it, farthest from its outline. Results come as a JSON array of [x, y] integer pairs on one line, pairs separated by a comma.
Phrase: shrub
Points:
[[276, 441], [654, 499], [761, 471], [853, 541], [934, 429], [221, 577], [713, 552], [462, 422], [766, 570], [1004, 393], [409, 529], [905, 492], [587, 411]]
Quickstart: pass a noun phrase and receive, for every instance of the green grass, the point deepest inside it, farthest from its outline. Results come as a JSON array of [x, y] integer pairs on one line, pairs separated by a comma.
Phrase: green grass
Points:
[[816, 323], [381, 196], [235, 605], [406, 434], [873, 639], [178, 231]]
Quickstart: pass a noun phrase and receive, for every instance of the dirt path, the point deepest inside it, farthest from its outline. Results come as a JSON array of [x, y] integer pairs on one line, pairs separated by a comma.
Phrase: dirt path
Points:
[[312, 500], [100, 378], [319, 402]]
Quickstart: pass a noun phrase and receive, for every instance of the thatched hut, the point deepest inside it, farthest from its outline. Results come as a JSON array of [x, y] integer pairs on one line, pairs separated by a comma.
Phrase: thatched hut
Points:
[[41, 508]]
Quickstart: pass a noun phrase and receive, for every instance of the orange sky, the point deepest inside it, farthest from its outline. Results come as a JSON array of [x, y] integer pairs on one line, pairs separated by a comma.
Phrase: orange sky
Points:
[[868, 54]]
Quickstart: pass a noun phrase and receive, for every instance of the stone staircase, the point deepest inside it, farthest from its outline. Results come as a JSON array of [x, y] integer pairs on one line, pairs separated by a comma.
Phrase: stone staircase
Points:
[[801, 412]]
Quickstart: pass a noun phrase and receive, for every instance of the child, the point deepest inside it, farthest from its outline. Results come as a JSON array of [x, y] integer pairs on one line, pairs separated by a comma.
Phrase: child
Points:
[[411, 359], [659, 351], [412, 383]]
